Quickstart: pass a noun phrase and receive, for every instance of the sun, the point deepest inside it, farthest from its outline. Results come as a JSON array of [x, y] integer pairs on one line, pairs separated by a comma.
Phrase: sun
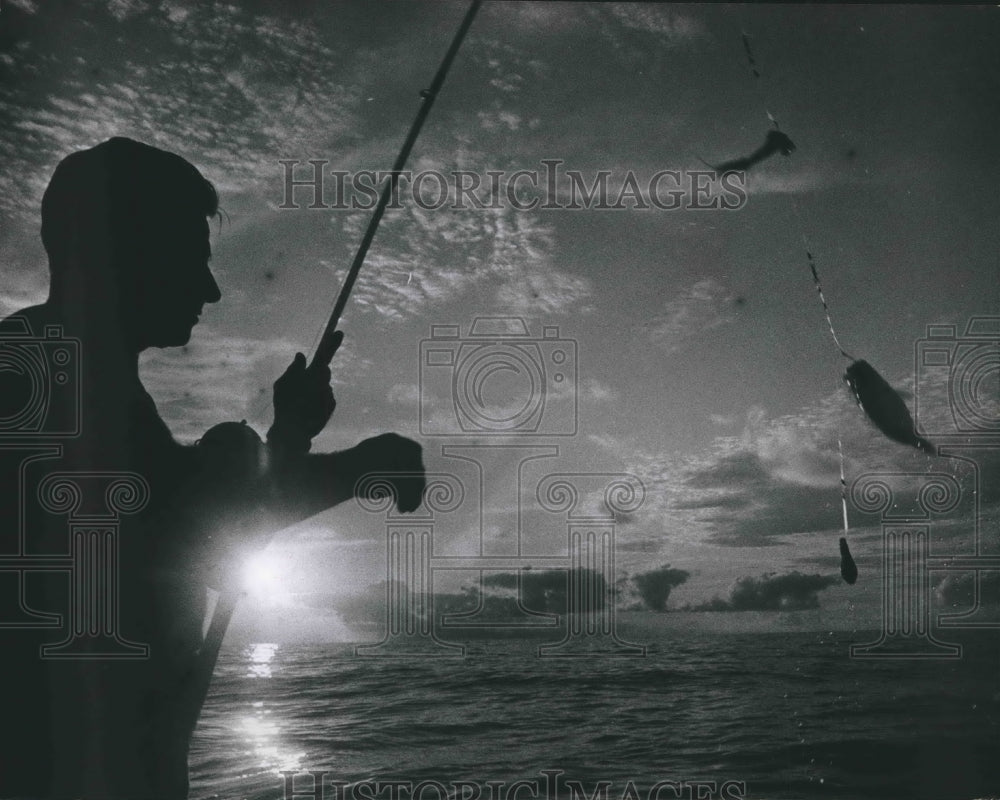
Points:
[[262, 574]]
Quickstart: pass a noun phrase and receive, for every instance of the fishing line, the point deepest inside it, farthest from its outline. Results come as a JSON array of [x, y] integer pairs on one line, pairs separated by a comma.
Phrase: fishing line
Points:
[[843, 481], [848, 568], [752, 62], [757, 80], [822, 298]]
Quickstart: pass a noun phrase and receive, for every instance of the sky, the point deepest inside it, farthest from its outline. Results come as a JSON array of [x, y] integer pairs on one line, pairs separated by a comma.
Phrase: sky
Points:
[[700, 359]]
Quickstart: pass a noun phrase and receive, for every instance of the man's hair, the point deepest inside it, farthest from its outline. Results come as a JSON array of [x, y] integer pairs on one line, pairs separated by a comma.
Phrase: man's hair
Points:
[[108, 205]]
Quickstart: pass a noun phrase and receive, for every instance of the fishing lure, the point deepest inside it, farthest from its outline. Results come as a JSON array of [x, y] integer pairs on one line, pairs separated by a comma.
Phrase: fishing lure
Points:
[[848, 569]]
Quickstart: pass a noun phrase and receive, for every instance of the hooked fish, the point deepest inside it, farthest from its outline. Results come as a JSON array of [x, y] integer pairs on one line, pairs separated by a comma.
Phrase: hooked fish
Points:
[[884, 407], [776, 142]]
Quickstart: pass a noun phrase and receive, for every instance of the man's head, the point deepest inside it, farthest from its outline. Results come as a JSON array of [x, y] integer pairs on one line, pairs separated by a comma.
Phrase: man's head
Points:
[[138, 216]]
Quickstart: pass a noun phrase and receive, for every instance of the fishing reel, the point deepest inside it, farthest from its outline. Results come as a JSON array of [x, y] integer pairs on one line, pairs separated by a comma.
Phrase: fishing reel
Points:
[[233, 449]]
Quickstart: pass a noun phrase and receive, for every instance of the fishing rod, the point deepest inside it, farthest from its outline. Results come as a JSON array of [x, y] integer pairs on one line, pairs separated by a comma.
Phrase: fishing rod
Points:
[[327, 345], [201, 674]]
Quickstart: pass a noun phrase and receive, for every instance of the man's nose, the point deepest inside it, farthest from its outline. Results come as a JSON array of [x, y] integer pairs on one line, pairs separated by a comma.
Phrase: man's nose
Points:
[[212, 293]]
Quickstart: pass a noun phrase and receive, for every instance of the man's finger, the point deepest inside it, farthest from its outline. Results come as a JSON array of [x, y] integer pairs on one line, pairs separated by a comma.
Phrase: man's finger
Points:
[[297, 365], [319, 373], [322, 371], [336, 339]]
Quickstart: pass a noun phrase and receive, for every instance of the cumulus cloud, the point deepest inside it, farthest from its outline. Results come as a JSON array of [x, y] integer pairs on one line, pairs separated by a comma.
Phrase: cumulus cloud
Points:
[[792, 591], [654, 587], [545, 590], [501, 598], [747, 505], [780, 475]]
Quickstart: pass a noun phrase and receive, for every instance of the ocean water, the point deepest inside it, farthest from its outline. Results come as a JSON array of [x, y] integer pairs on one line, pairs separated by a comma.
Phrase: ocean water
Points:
[[784, 715]]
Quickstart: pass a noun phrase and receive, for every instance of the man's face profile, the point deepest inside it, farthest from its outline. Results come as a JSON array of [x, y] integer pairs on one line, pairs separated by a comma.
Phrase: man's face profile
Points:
[[126, 229], [172, 284]]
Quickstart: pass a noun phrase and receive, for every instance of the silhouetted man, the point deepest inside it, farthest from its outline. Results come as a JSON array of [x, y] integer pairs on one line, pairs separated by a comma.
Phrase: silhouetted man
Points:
[[125, 226]]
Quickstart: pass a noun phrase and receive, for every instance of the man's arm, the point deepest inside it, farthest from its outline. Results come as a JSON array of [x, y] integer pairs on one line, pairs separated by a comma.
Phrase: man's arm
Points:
[[304, 484], [307, 484]]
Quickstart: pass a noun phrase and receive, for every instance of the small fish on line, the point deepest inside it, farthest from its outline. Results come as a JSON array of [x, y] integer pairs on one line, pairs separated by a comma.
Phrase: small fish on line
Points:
[[776, 142], [884, 407], [848, 569]]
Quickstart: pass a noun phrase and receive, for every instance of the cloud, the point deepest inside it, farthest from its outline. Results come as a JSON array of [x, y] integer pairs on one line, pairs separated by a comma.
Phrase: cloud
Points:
[[720, 501], [495, 120], [638, 31], [698, 308], [260, 89], [255, 88], [428, 255], [367, 609], [363, 609], [215, 378], [501, 598], [404, 394], [764, 181], [546, 590], [594, 389], [667, 23], [536, 18], [27, 6], [748, 504], [18, 297], [792, 591], [780, 475], [654, 587], [958, 590]]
